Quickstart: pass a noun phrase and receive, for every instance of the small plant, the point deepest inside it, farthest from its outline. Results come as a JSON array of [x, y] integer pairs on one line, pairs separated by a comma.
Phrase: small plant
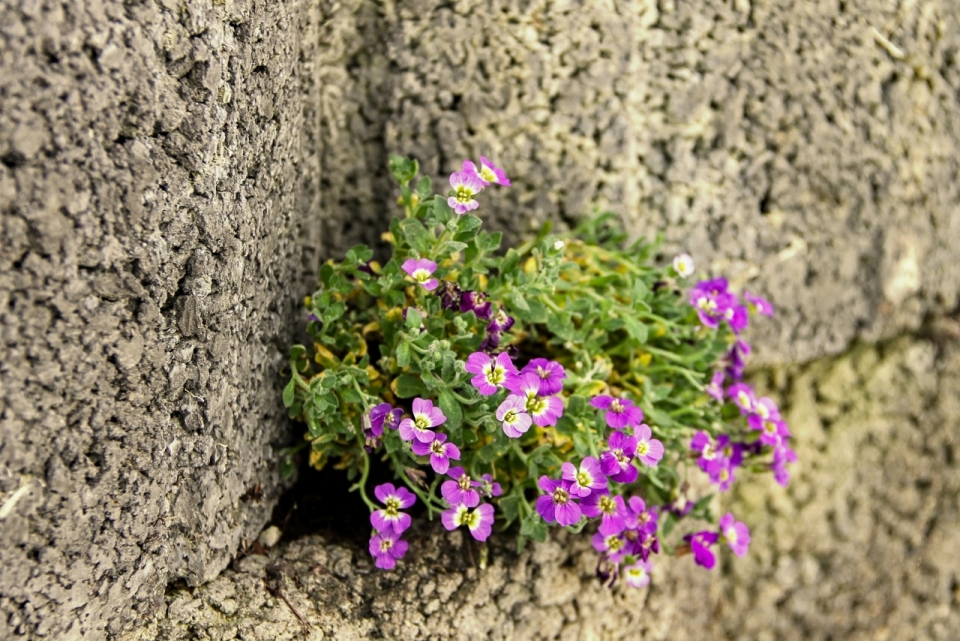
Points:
[[564, 382]]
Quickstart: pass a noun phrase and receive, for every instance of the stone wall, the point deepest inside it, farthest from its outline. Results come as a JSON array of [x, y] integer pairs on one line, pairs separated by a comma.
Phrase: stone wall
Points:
[[154, 160]]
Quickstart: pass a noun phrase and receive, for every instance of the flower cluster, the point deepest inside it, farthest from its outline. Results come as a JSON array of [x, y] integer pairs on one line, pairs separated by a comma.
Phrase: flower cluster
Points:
[[569, 382]]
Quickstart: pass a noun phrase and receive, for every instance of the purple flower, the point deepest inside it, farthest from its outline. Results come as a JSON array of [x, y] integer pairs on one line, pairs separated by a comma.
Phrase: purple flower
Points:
[[761, 305], [715, 387], [489, 487], [743, 397], [487, 173], [737, 534], [465, 187], [475, 302], [440, 452], [706, 446], [638, 574], [700, 543], [450, 296], [387, 549], [479, 520], [490, 374], [621, 412], [781, 456], [612, 545], [737, 316], [425, 416], [550, 373], [711, 300], [610, 509], [421, 271], [736, 359], [543, 410], [501, 322], [615, 462], [558, 504], [649, 449], [384, 416], [490, 343], [765, 408], [773, 431], [639, 518], [512, 412], [390, 517], [588, 478], [683, 265], [460, 490]]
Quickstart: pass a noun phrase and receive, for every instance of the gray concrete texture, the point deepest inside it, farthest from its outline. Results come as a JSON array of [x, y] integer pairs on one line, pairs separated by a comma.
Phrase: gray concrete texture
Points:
[[153, 161], [862, 545], [168, 169]]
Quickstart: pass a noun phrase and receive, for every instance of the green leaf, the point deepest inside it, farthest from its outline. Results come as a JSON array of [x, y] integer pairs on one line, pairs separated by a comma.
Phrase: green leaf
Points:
[[518, 303], [404, 353], [468, 223], [392, 441], [451, 409], [561, 324], [414, 318], [289, 393], [510, 506], [424, 187], [403, 169], [408, 386], [536, 311], [416, 234], [534, 527], [635, 328]]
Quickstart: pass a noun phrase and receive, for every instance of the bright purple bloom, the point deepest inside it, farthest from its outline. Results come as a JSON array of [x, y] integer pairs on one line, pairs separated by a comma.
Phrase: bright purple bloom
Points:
[[558, 504], [475, 302], [639, 518], [711, 300], [737, 316], [613, 545], [766, 409], [490, 374], [460, 490], [513, 413], [387, 548], [440, 452], [743, 397], [761, 305], [390, 517], [616, 461], [490, 343], [715, 387], [550, 373], [465, 187], [543, 410], [425, 416], [706, 446], [781, 456], [610, 509], [736, 359], [479, 521], [649, 449], [737, 534], [700, 543], [489, 487], [585, 480], [621, 412], [487, 173], [638, 574], [421, 271], [773, 431]]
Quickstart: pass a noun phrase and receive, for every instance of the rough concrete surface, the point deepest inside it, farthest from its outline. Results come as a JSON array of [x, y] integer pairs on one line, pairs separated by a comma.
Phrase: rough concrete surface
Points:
[[862, 545], [783, 143], [151, 172]]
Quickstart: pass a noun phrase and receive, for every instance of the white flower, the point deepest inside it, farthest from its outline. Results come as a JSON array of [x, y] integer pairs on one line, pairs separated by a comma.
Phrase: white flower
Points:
[[683, 265]]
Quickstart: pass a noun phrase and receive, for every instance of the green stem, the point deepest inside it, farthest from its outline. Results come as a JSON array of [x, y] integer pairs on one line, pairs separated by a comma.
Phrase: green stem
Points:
[[362, 483]]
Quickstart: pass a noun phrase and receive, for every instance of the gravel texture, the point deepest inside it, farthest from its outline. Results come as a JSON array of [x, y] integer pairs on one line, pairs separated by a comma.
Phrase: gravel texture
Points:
[[152, 171]]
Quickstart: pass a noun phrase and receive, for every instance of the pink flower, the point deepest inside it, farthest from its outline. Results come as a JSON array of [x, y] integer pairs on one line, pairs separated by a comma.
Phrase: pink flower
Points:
[[387, 548], [490, 374], [649, 449], [638, 574], [421, 271], [440, 452], [558, 504], [611, 510], [479, 521], [425, 416], [513, 413], [621, 412], [543, 410], [614, 546], [615, 462], [737, 534], [761, 305], [550, 373], [588, 478], [465, 187], [460, 489], [487, 173], [390, 517]]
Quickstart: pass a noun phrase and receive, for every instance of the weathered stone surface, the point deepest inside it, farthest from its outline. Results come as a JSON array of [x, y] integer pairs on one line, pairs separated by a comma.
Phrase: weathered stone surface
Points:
[[151, 173], [781, 143], [862, 545]]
